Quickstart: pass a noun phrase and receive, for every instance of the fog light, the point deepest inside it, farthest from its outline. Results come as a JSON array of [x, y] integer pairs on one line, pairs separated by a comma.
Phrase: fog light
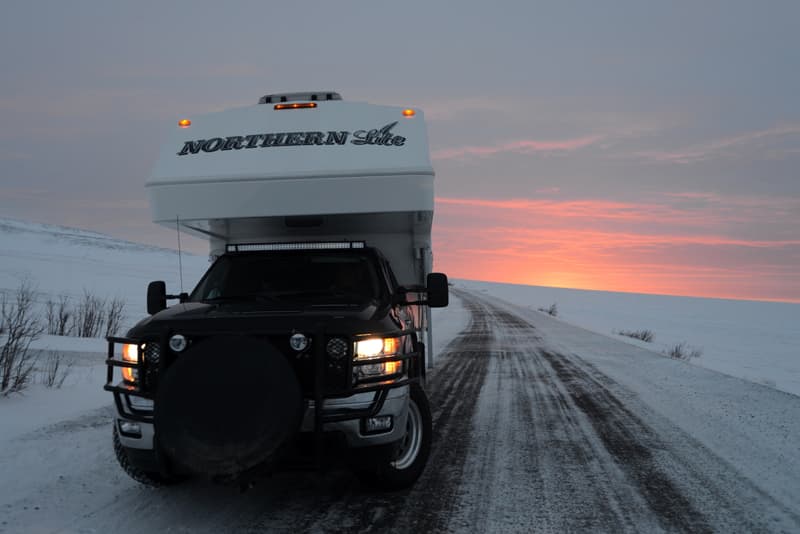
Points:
[[337, 348], [382, 423], [133, 430], [177, 343]]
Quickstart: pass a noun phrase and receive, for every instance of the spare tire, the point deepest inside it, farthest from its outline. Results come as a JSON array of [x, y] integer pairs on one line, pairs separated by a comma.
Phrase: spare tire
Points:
[[227, 404]]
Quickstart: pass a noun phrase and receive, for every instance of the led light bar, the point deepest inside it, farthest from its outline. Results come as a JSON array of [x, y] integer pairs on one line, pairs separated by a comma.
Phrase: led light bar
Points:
[[320, 245]]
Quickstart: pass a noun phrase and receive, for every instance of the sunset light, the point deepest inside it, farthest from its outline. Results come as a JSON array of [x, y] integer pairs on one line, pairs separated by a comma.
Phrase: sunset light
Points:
[[662, 247]]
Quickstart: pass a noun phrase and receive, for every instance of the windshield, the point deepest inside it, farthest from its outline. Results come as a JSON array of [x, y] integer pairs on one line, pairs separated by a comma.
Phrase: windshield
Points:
[[302, 277]]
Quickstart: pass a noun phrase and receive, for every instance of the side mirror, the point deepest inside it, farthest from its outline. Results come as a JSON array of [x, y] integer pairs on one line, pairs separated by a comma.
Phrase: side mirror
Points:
[[156, 297], [438, 290]]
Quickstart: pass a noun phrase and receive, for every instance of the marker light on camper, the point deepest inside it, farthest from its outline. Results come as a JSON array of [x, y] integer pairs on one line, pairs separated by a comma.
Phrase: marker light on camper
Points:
[[409, 112], [296, 105], [184, 123]]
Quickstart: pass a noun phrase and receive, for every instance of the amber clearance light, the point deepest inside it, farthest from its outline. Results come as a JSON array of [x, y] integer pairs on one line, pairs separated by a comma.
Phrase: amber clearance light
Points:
[[184, 123], [408, 112], [296, 105]]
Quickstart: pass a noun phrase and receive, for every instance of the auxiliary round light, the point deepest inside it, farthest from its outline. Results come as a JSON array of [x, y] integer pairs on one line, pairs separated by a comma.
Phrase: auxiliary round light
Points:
[[337, 348], [178, 343], [298, 342]]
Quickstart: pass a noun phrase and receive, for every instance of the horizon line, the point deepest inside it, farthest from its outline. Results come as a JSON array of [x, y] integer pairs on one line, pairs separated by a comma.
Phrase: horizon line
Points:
[[676, 295]]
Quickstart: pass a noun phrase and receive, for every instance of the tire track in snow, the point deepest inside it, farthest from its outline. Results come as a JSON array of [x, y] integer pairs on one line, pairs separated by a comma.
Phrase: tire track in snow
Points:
[[532, 465], [453, 391], [622, 433], [609, 463]]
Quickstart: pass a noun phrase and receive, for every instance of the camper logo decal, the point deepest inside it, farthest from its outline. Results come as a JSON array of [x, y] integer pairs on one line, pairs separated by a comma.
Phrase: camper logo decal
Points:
[[377, 136]]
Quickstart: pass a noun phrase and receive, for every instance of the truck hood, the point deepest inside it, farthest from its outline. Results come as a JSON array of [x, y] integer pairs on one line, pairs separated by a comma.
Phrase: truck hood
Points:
[[246, 317]]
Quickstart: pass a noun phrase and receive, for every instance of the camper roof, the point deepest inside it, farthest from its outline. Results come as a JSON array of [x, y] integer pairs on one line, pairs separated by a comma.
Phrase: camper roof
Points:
[[332, 157]]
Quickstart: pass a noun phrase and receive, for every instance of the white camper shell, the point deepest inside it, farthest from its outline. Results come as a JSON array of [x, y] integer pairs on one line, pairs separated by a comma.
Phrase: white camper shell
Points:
[[302, 167]]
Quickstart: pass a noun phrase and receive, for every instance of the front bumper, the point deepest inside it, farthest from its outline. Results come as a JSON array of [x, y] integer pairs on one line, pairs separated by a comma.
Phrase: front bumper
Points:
[[395, 404]]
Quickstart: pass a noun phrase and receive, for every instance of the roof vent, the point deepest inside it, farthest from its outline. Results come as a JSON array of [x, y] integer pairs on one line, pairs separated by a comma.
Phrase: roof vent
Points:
[[309, 96]]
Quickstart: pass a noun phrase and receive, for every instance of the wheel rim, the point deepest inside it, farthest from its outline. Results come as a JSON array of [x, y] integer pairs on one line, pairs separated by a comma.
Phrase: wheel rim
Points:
[[409, 448]]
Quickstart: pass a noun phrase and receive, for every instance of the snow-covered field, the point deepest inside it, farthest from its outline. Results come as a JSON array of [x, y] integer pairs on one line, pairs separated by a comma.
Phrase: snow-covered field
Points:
[[67, 261], [540, 423], [57, 261], [757, 341]]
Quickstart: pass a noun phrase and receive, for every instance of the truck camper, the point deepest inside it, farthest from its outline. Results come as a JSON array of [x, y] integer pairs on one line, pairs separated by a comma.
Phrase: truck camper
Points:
[[308, 338]]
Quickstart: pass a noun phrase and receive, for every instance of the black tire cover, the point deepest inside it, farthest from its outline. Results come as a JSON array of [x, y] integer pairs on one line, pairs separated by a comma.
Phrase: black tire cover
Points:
[[226, 405]]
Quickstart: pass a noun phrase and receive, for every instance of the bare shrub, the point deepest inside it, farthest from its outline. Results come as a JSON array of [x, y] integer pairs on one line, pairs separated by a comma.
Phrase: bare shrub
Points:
[[89, 316], [683, 351], [59, 315], [552, 310], [50, 317], [644, 335], [20, 326], [114, 314], [56, 369]]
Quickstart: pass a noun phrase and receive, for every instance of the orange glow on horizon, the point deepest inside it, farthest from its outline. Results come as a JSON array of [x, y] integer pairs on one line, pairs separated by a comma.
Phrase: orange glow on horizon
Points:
[[617, 246]]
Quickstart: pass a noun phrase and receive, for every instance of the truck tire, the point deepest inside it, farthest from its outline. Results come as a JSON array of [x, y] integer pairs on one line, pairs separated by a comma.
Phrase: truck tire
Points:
[[148, 478], [403, 465]]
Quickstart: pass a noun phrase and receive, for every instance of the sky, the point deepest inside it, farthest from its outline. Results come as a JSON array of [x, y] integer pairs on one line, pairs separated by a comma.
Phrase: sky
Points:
[[622, 146]]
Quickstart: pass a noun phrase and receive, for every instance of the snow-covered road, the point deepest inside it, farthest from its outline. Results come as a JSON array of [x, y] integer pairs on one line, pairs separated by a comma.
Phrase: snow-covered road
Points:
[[539, 427]]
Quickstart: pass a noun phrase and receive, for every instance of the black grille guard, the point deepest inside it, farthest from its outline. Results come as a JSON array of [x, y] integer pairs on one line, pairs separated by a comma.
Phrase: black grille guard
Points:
[[380, 385]]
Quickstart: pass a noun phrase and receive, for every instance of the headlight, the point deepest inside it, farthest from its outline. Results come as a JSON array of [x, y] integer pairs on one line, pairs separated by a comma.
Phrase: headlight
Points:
[[130, 353], [374, 348]]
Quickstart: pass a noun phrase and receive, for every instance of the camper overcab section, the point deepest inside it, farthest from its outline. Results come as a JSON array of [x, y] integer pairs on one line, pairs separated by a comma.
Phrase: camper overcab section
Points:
[[310, 332]]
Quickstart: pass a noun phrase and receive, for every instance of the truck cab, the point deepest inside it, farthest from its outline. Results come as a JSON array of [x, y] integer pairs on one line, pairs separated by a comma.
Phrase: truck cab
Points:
[[308, 337]]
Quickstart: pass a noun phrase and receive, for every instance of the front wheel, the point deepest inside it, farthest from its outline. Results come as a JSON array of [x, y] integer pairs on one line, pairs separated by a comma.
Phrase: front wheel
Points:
[[148, 478], [404, 464]]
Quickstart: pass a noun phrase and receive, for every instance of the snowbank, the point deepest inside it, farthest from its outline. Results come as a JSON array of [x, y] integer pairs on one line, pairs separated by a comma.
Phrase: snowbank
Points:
[[757, 341]]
